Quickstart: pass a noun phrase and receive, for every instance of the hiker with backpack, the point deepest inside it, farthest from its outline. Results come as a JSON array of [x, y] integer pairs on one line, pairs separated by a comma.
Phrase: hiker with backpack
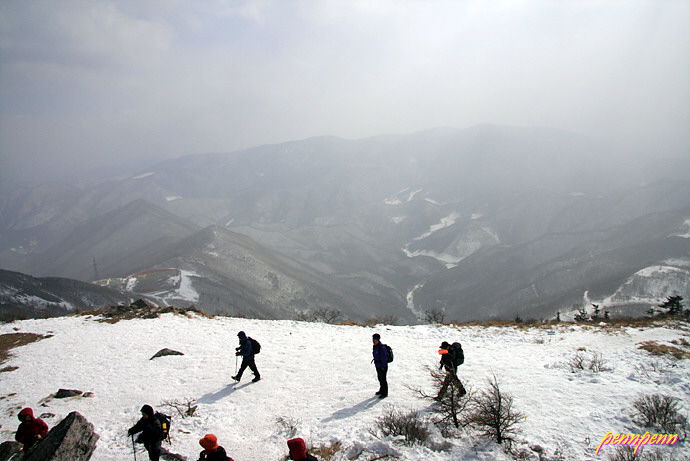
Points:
[[30, 430], [151, 432], [381, 359], [452, 356], [247, 349], [212, 451], [298, 450]]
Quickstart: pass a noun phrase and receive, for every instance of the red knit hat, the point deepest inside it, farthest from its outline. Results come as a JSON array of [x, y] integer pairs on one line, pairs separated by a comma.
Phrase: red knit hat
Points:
[[209, 442], [298, 449]]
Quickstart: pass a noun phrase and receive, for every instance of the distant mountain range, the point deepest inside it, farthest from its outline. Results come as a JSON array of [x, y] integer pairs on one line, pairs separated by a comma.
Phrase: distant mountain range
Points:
[[487, 222]]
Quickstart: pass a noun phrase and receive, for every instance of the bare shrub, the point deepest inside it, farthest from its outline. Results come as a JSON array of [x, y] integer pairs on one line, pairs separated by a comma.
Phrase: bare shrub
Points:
[[452, 407], [434, 316], [323, 315], [492, 413], [598, 364], [593, 362], [386, 320], [326, 452], [661, 412], [288, 425], [577, 362], [184, 408], [411, 426]]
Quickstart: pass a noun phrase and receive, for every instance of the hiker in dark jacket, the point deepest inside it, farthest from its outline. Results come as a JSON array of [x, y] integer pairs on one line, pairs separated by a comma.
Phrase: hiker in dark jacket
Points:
[[212, 451], [381, 363], [151, 432], [245, 350], [298, 450], [449, 362], [31, 429]]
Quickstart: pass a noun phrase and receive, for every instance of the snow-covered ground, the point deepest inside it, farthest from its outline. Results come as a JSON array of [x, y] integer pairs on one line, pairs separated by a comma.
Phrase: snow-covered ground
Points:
[[319, 377]]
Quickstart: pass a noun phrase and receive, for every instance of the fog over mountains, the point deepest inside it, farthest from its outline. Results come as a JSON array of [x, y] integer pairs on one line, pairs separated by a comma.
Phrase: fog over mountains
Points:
[[485, 222]]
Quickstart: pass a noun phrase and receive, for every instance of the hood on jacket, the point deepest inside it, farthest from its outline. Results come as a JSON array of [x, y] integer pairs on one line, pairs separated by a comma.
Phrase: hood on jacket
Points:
[[26, 412], [298, 449], [242, 335]]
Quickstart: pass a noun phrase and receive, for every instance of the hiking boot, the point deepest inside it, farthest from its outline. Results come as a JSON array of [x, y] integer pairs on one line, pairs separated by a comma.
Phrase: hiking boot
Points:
[[383, 396], [378, 392], [236, 378], [257, 378]]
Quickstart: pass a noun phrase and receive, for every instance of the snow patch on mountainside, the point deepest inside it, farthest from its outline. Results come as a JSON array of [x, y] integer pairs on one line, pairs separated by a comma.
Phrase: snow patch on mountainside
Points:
[[686, 234], [144, 175], [449, 260], [400, 198], [446, 221]]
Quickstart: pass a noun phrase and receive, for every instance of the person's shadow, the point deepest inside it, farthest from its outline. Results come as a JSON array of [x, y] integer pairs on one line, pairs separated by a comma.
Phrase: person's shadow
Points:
[[353, 410], [213, 397]]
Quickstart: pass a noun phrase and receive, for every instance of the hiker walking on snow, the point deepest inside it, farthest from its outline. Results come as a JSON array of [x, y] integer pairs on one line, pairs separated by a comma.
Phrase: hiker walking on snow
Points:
[[247, 352], [212, 451], [451, 357], [151, 432], [298, 450], [31, 429], [381, 363]]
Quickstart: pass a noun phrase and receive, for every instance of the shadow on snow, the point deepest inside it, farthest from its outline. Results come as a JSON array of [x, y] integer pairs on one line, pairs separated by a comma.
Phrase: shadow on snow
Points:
[[347, 412], [213, 397]]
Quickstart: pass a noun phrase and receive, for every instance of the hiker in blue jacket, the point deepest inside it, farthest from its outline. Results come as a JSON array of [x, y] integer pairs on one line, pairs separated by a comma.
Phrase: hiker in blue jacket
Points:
[[381, 363], [245, 350]]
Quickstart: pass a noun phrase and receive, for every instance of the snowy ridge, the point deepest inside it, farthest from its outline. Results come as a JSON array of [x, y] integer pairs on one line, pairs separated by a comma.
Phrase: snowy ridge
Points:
[[651, 285], [320, 377]]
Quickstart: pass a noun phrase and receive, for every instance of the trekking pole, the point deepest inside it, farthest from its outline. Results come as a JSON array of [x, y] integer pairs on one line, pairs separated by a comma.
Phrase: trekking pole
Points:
[[134, 448], [235, 365]]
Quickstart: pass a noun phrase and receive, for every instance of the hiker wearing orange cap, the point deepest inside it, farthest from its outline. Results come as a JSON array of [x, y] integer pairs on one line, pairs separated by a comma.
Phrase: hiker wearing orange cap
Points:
[[31, 429], [451, 357], [298, 450], [212, 451]]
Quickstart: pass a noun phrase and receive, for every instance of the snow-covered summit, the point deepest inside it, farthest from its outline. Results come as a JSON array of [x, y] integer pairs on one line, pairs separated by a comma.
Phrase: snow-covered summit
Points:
[[319, 379]]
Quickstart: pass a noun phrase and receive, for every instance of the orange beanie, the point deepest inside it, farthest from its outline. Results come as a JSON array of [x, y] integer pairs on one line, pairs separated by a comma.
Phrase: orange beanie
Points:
[[209, 442]]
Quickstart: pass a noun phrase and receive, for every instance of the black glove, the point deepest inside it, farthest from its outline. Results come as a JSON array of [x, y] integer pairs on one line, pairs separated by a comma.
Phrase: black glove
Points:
[[237, 353]]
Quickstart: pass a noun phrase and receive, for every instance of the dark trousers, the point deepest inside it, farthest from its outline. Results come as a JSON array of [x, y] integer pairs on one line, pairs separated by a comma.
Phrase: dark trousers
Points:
[[154, 450], [451, 378], [248, 362], [381, 373]]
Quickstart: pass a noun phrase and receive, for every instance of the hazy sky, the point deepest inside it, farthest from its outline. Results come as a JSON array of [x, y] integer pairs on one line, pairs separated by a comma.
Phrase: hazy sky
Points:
[[102, 82]]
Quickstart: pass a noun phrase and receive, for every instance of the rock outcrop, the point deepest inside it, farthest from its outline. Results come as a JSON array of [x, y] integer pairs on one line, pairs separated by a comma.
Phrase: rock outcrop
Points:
[[73, 439]]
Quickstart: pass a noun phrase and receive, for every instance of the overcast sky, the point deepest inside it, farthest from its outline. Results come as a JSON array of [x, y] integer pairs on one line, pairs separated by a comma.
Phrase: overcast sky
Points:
[[104, 82]]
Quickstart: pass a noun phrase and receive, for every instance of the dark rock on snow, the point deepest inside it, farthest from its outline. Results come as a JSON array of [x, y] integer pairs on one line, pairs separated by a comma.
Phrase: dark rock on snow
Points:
[[64, 393], [164, 352], [73, 439], [9, 449]]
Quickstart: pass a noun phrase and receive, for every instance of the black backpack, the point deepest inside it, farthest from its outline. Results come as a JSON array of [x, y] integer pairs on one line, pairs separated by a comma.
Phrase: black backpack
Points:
[[457, 353], [256, 347], [165, 425], [390, 353]]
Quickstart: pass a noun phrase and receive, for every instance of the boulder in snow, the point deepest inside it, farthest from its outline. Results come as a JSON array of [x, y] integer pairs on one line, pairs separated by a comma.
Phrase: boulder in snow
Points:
[[73, 439]]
